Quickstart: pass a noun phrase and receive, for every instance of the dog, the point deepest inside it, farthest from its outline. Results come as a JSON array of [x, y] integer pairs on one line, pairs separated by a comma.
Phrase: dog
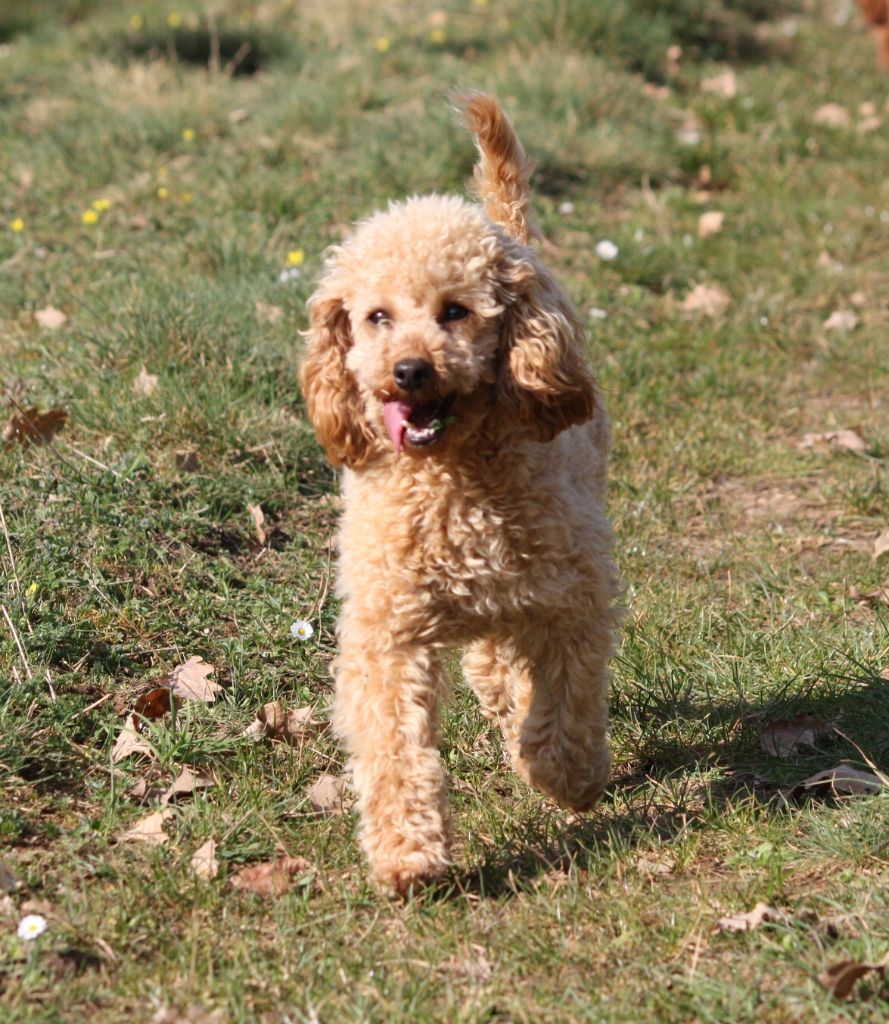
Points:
[[876, 13], [447, 372]]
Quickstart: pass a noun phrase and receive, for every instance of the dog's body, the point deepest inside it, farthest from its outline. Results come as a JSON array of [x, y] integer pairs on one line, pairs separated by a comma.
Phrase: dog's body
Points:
[[447, 372], [876, 12]]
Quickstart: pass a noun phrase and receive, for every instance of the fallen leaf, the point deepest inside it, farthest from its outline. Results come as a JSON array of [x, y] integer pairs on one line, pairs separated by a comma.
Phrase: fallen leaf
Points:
[[146, 792], [869, 124], [652, 866], [274, 722], [476, 966], [8, 881], [186, 783], [725, 84], [710, 223], [881, 545], [188, 462], [832, 115], [268, 313], [840, 978], [841, 320], [827, 261], [258, 517], [203, 862], [150, 706], [50, 317], [145, 383], [844, 780], [239, 115], [189, 681], [33, 425], [274, 877], [878, 596], [326, 794], [708, 300], [786, 737], [847, 440], [761, 914], [150, 829], [129, 742]]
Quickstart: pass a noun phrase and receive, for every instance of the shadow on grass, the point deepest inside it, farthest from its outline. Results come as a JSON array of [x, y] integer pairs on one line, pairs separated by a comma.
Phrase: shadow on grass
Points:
[[663, 797]]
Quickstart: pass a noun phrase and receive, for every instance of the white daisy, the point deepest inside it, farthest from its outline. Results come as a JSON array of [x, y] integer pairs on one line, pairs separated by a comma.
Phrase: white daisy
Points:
[[606, 249], [31, 926], [301, 630]]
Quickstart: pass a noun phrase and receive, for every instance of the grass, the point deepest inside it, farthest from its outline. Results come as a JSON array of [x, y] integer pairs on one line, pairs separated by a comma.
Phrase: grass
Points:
[[222, 147]]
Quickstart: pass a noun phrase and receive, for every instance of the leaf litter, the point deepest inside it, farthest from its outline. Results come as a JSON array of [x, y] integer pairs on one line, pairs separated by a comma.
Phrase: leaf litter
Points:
[[274, 723], [788, 736], [841, 977], [841, 781], [275, 877], [31, 426]]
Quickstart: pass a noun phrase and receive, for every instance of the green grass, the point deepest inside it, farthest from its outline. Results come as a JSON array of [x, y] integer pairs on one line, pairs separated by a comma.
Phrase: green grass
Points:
[[738, 549]]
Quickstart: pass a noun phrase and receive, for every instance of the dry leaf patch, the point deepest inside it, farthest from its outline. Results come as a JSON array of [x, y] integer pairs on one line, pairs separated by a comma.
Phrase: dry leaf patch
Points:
[[32, 425]]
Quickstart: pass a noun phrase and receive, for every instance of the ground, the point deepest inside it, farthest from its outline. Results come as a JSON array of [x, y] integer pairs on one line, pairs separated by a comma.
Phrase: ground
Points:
[[170, 181]]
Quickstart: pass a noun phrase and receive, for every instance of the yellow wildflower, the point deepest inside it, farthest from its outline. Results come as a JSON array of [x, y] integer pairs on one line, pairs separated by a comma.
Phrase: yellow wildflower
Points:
[[174, 19], [32, 590], [101, 204], [163, 192], [188, 134], [383, 44], [17, 225], [437, 36], [295, 257], [89, 217], [186, 197], [136, 22]]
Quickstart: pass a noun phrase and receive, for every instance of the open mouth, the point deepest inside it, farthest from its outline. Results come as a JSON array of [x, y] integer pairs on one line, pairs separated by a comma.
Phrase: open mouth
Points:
[[417, 424]]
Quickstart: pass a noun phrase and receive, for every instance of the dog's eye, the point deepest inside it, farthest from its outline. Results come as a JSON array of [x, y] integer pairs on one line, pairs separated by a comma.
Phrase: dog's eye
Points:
[[379, 316], [453, 312]]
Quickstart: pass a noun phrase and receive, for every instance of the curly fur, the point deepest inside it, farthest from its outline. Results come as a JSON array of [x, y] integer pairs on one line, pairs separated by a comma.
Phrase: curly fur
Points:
[[494, 537], [876, 13]]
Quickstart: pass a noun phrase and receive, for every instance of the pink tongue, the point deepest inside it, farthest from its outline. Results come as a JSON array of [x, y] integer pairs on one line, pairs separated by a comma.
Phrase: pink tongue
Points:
[[395, 413]]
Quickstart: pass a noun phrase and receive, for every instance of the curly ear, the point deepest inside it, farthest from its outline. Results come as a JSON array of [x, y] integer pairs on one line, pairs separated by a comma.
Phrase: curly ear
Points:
[[330, 391], [545, 378]]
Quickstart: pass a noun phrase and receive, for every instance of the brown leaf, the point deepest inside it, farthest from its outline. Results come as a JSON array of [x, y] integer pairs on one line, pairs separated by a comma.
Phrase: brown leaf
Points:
[[33, 425], [847, 440], [725, 84], [145, 383], [146, 792], [832, 115], [272, 878], [708, 300], [292, 727], [50, 317], [151, 705], [878, 596], [188, 462], [186, 783], [787, 736], [761, 914], [189, 681], [203, 862], [710, 223], [326, 794], [844, 780], [840, 978], [268, 313], [129, 742], [150, 829], [841, 320], [881, 545], [258, 517]]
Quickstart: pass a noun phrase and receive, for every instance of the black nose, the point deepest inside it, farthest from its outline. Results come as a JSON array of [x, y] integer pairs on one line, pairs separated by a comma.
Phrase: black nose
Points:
[[412, 374]]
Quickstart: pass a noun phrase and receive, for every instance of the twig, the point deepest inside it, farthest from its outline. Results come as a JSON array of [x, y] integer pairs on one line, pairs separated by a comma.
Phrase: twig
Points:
[[232, 66], [18, 585], [18, 641], [95, 462]]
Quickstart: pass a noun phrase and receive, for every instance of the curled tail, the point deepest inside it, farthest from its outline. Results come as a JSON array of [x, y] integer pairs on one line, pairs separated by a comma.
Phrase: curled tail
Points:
[[501, 175]]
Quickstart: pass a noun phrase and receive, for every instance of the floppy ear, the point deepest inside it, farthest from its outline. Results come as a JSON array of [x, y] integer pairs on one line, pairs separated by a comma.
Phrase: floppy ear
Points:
[[330, 391], [545, 378]]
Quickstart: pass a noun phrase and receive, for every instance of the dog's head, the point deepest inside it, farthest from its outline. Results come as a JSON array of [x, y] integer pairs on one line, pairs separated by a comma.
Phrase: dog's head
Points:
[[431, 328]]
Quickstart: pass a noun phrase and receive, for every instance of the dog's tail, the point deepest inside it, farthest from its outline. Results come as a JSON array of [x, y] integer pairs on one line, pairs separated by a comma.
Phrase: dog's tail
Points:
[[503, 169]]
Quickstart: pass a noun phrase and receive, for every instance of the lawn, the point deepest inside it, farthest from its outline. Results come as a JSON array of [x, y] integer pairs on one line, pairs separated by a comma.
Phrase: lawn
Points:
[[171, 176]]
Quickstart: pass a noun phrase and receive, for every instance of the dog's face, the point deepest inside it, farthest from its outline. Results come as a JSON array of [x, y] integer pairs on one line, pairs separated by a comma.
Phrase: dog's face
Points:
[[430, 324]]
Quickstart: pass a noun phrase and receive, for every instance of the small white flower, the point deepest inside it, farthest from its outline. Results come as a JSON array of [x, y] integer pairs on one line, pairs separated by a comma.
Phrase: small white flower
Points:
[[289, 274], [301, 630], [606, 249], [31, 926], [567, 208], [597, 314]]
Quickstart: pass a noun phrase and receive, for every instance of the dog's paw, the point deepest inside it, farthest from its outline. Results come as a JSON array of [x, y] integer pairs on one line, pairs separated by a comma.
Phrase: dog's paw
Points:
[[404, 872]]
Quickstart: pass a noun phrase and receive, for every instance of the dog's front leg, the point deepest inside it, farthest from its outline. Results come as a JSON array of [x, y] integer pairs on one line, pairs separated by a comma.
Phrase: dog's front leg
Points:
[[386, 712]]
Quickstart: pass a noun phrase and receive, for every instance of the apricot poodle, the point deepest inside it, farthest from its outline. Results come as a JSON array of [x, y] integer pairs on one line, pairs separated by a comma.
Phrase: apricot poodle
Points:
[[447, 372]]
